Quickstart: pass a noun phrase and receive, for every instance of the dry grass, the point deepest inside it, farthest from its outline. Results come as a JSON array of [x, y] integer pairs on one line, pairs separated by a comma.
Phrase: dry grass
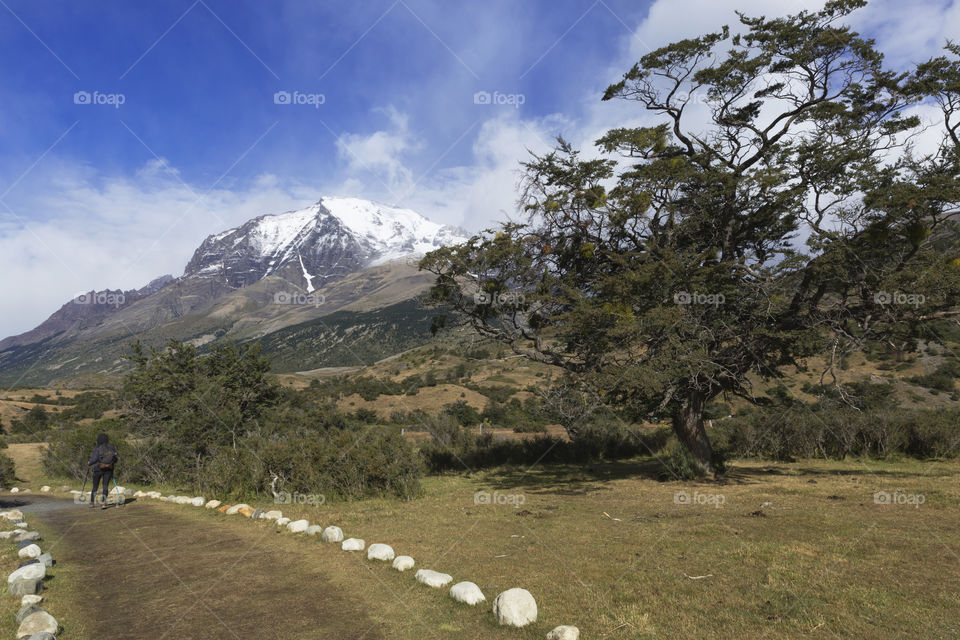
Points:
[[28, 458]]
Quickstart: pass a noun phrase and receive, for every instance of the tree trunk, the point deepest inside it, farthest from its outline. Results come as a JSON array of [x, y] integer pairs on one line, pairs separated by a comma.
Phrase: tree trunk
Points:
[[688, 425]]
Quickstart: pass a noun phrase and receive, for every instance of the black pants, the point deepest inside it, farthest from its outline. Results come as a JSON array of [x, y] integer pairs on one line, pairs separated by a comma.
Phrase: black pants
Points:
[[101, 474]]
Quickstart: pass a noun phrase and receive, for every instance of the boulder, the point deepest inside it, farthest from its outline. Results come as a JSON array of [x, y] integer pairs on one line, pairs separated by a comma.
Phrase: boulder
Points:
[[43, 635], [26, 610], [282, 522], [224, 508], [139, 494], [433, 579], [46, 559], [38, 622], [379, 551], [33, 571], [257, 514], [45, 489], [515, 608], [153, 494], [182, 500], [298, 526], [402, 563], [15, 490], [25, 587], [467, 592], [246, 511], [30, 551], [198, 501], [564, 632], [273, 515], [353, 544], [13, 514], [31, 600], [235, 509], [212, 504], [332, 534], [313, 530]]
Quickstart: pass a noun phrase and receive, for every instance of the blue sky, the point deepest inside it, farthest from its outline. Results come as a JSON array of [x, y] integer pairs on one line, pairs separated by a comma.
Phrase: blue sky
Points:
[[102, 195]]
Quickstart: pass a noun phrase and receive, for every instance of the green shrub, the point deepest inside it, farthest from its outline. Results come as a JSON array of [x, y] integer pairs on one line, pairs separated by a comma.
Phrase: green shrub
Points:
[[8, 472], [69, 449]]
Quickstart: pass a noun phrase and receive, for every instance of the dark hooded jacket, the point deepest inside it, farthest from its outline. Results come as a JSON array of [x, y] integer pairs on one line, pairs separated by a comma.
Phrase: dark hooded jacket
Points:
[[103, 453]]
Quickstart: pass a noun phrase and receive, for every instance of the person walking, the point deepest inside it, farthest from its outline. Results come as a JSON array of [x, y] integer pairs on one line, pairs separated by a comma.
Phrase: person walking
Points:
[[103, 458]]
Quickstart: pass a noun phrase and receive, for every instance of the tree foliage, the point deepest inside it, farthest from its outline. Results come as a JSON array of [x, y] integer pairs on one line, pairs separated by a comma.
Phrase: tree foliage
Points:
[[776, 208]]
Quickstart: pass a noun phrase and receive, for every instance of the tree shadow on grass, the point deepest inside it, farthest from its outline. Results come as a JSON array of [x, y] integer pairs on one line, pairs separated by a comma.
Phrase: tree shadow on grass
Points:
[[574, 479], [840, 468]]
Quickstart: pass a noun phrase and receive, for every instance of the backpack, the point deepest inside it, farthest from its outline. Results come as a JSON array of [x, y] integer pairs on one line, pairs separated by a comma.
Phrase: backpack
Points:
[[106, 456]]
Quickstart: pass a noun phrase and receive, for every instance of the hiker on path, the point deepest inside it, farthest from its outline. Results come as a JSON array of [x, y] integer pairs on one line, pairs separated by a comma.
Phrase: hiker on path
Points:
[[102, 459]]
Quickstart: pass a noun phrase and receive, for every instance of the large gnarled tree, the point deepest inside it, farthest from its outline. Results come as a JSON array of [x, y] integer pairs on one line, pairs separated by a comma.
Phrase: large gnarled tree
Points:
[[776, 208]]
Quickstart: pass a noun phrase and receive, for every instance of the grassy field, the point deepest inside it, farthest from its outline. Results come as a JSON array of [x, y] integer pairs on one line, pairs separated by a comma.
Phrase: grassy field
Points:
[[777, 551]]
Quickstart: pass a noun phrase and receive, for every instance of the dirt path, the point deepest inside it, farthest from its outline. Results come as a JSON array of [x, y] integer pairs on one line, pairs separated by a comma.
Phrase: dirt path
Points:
[[151, 573]]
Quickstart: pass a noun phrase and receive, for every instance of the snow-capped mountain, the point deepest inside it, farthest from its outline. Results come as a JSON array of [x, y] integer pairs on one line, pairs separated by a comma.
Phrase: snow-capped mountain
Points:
[[329, 239]]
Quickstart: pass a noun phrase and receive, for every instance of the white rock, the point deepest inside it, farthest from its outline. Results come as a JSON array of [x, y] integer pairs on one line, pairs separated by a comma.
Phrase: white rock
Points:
[[139, 494], [313, 530], [298, 526], [30, 551], [379, 551], [402, 563], [564, 632], [22, 525], [235, 509], [467, 592], [198, 501], [353, 544], [30, 599], [75, 492], [38, 623], [154, 494], [272, 515], [182, 500], [213, 504], [515, 608], [35, 571], [15, 490], [332, 534], [282, 522], [433, 579], [45, 489]]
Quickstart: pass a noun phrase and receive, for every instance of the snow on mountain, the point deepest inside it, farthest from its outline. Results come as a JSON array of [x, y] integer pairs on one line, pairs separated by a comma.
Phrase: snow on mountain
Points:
[[326, 240]]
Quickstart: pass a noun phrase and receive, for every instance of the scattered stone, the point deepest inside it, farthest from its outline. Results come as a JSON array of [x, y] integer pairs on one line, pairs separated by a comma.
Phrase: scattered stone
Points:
[[246, 511], [282, 522], [467, 592], [198, 501], [515, 608], [45, 489], [13, 514], [272, 515], [46, 559], [31, 600], [313, 530], [298, 526], [153, 494], [38, 622], [402, 563], [182, 500], [432, 578], [213, 504], [26, 535], [15, 490], [26, 610], [30, 551], [353, 544], [224, 508], [332, 534], [139, 494], [235, 509], [128, 492], [25, 587], [564, 632], [33, 571], [64, 489], [257, 514], [4, 535], [379, 551]]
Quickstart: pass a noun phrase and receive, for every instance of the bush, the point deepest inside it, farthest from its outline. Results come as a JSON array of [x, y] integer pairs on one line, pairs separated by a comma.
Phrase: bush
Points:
[[69, 449]]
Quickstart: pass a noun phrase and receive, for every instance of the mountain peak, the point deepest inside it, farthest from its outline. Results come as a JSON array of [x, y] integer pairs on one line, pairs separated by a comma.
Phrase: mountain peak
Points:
[[329, 239]]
